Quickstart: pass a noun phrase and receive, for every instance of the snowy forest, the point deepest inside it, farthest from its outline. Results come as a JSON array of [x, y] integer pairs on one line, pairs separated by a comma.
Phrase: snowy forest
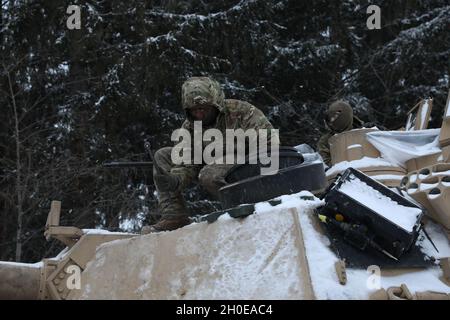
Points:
[[72, 99]]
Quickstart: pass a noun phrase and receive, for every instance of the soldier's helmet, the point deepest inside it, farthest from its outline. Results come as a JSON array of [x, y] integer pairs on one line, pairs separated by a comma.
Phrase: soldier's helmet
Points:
[[198, 91], [339, 116]]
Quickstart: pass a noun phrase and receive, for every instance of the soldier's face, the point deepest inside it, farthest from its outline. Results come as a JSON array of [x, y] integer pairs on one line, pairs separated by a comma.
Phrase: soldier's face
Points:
[[199, 113], [206, 114], [333, 117]]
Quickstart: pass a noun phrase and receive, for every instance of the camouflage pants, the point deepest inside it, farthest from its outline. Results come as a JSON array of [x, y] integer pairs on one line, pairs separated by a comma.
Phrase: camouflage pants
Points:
[[211, 177]]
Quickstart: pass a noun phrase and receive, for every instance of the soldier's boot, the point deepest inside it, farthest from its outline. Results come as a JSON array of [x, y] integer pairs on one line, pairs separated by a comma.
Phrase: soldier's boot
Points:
[[173, 211], [167, 224]]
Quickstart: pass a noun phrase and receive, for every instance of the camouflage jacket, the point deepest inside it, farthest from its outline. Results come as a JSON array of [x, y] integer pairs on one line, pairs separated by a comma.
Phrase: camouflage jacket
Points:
[[233, 114], [323, 147]]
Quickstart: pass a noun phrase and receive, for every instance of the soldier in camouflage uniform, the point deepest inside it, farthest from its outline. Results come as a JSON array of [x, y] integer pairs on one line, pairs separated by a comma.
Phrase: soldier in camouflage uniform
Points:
[[203, 100], [339, 118]]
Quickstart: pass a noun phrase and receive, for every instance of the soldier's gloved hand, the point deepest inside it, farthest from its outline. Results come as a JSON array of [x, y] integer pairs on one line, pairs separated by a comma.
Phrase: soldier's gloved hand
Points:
[[167, 182]]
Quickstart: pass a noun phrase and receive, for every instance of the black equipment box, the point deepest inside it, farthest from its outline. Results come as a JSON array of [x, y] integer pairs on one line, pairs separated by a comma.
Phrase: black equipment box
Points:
[[246, 185], [390, 236], [287, 157]]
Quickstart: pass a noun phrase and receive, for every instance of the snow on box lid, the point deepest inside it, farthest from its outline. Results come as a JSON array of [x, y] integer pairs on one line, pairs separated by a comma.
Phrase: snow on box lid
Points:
[[404, 216]]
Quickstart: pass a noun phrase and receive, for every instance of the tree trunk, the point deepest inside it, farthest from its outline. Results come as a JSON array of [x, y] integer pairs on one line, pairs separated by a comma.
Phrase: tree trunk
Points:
[[19, 174]]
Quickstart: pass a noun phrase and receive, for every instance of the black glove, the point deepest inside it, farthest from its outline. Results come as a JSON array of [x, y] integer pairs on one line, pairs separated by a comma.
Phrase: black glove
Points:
[[167, 182]]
